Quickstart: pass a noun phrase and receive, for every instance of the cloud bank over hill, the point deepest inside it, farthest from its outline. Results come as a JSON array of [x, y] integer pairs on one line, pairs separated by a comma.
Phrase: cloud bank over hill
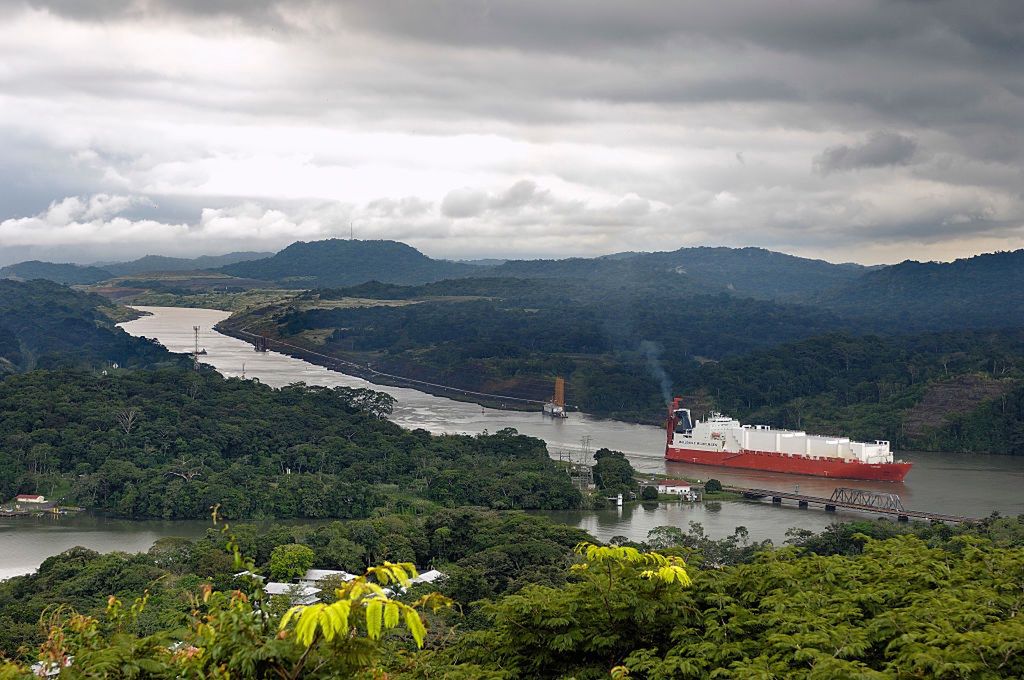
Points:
[[867, 131]]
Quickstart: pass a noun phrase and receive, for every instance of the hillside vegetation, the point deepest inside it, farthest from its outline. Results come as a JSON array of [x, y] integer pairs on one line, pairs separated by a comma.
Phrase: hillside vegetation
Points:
[[172, 443], [160, 263], [750, 272], [917, 602], [512, 336], [45, 325], [986, 291], [882, 387]]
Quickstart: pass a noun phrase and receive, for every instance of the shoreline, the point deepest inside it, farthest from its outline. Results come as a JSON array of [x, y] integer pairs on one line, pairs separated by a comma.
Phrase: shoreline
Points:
[[377, 377]]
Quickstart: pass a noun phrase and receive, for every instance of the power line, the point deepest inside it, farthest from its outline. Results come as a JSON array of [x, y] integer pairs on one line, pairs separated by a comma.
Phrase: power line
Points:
[[400, 378]]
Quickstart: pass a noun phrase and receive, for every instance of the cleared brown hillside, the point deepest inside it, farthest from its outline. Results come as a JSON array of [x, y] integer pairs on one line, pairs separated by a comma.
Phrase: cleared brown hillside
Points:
[[962, 393]]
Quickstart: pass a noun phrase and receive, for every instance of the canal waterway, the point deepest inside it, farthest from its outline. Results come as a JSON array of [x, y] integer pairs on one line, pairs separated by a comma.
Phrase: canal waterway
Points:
[[970, 485], [974, 485]]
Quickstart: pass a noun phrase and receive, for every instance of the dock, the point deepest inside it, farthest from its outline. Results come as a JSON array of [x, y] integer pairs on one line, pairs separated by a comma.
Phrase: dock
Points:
[[854, 499]]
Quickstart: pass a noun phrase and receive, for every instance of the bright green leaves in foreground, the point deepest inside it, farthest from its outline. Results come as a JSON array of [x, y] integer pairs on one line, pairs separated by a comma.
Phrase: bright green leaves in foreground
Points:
[[234, 635], [899, 609], [621, 559], [381, 612], [621, 596]]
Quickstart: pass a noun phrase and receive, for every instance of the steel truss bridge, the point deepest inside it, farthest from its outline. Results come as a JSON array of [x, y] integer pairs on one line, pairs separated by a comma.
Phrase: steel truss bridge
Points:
[[854, 499]]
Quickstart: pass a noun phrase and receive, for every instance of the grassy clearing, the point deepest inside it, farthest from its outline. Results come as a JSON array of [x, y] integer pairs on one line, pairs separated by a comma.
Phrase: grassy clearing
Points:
[[229, 302], [352, 303]]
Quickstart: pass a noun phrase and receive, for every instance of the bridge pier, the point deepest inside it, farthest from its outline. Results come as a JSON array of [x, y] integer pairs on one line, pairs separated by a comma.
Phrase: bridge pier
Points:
[[777, 500], [803, 504], [830, 508]]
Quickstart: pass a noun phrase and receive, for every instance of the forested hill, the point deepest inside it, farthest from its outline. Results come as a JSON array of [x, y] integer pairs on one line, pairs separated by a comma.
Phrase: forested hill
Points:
[[44, 324], [624, 342], [60, 273], [511, 336], [337, 262], [171, 443], [753, 272], [945, 391], [986, 291]]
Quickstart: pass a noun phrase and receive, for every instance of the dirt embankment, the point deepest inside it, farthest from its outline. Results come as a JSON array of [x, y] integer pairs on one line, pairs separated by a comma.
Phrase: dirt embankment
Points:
[[959, 394]]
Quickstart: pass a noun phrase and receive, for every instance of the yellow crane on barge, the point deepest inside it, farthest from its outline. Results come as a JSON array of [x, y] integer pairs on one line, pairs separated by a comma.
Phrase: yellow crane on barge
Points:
[[556, 407]]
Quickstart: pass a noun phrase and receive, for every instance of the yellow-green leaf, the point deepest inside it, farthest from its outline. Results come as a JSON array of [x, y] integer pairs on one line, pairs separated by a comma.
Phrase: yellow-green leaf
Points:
[[391, 615], [374, 612], [415, 626]]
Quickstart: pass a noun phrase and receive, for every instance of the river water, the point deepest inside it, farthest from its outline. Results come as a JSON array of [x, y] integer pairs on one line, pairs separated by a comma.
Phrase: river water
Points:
[[974, 485]]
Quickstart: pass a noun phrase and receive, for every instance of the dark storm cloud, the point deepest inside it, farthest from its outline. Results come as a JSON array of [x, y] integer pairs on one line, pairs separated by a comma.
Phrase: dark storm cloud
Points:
[[674, 121], [901, 59], [988, 27], [877, 151], [255, 11]]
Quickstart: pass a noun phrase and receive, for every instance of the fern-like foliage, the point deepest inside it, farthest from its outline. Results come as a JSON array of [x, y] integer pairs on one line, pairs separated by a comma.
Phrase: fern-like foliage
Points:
[[380, 611], [669, 569]]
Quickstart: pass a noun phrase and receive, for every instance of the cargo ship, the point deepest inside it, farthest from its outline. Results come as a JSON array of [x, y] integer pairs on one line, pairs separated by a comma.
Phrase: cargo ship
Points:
[[723, 441]]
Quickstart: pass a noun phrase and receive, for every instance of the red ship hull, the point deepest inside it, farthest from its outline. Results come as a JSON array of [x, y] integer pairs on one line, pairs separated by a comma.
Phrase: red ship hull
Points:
[[791, 464]]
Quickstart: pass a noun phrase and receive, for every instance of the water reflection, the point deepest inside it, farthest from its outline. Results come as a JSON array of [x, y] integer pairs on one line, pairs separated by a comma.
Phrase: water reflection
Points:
[[719, 520]]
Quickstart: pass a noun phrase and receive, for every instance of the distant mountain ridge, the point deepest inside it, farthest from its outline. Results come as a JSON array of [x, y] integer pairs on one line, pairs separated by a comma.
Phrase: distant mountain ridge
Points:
[[979, 292], [160, 263], [338, 262], [984, 291], [78, 274], [754, 272], [65, 273], [758, 272]]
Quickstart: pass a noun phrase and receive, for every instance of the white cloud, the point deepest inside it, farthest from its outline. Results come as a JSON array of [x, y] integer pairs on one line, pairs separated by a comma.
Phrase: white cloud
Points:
[[532, 128]]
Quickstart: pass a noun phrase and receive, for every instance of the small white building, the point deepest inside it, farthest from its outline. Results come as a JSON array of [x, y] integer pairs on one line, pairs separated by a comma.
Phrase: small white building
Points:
[[314, 576], [306, 590], [29, 498], [297, 592], [675, 487], [250, 574], [428, 576]]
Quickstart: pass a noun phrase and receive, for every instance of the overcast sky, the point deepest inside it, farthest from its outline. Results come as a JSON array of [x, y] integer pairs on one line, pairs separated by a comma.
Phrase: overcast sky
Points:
[[862, 130]]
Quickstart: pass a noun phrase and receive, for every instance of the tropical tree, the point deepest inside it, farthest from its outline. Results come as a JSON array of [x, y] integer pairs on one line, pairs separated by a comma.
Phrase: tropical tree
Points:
[[290, 561]]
